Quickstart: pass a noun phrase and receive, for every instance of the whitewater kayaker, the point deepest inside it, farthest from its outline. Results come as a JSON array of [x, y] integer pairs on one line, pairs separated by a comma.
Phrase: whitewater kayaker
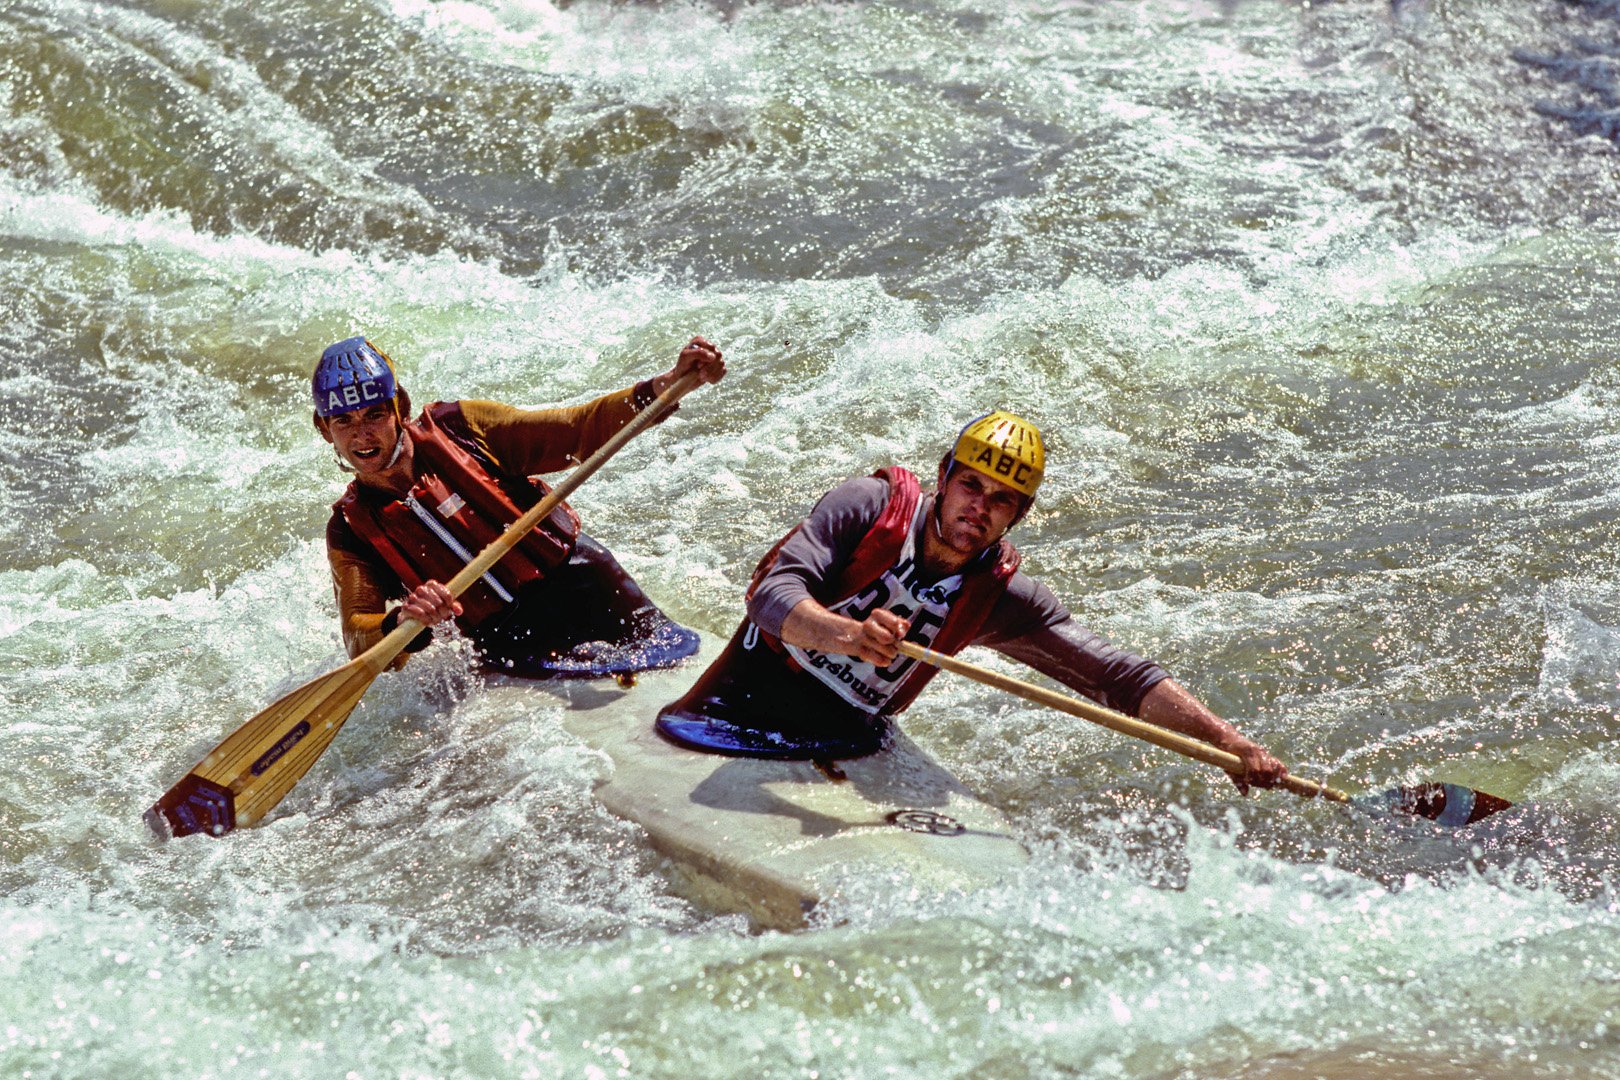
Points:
[[430, 492], [813, 670]]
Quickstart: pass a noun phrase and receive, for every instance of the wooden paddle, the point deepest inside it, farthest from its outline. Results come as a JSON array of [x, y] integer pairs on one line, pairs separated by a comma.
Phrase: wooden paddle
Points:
[[245, 776], [1448, 804]]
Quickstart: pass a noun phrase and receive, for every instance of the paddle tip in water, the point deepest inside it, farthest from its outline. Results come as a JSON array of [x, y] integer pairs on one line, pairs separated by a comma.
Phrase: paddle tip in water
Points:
[[1451, 805], [193, 805]]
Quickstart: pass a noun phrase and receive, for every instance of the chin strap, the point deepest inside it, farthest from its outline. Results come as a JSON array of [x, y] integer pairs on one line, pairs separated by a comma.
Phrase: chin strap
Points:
[[399, 446]]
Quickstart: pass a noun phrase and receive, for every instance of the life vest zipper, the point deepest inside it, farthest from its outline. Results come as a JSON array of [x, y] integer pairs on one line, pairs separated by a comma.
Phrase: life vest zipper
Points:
[[453, 544]]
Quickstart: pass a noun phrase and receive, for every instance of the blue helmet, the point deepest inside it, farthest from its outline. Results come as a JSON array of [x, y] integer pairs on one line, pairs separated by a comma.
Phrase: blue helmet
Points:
[[352, 374]]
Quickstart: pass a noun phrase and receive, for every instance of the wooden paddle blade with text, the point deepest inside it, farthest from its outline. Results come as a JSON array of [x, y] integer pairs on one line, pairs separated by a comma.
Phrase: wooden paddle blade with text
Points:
[[245, 776], [1445, 804]]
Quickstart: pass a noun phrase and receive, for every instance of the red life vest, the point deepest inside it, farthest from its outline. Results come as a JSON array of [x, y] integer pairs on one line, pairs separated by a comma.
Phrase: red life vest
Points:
[[879, 550], [473, 503]]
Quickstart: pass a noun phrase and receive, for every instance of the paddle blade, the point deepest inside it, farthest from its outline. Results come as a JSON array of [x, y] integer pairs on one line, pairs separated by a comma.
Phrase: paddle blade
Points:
[[245, 776], [1451, 805]]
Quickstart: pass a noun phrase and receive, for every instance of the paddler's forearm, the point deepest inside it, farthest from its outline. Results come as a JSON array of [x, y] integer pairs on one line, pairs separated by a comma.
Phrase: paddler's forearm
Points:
[[811, 626], [539, 441], [362, 615], [362, 630], [1170, 705], [548, 440]]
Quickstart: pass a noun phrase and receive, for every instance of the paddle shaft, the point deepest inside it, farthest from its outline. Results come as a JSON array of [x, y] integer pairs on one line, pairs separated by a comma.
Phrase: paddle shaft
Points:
[[381, 654], [1114, 721]]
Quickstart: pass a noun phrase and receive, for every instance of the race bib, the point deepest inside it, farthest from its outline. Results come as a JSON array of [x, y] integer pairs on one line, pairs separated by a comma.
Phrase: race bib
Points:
[[863, 684]]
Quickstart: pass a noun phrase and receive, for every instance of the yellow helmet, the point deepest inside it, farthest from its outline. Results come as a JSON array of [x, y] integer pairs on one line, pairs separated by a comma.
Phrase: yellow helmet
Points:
[[1004, 448]]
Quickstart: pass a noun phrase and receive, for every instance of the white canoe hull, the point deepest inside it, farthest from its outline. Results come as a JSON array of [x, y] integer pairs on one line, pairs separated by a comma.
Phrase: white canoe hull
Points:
[[775, 839]]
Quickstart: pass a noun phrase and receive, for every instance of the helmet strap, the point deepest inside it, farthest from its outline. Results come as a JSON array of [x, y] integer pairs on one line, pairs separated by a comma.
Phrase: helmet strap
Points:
[[947, 466], [399, 444], [399, 448]]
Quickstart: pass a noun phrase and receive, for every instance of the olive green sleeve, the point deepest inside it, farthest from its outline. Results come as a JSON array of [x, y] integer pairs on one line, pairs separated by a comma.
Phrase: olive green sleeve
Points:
[[362, 603], [534, 442]]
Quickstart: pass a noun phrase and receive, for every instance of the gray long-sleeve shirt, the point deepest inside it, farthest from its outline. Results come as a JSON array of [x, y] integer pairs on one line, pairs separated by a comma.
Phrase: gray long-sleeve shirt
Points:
[[1028, 623]]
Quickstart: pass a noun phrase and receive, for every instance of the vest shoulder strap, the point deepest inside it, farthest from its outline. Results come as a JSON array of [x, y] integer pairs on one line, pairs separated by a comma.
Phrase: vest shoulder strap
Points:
[[874, 551]]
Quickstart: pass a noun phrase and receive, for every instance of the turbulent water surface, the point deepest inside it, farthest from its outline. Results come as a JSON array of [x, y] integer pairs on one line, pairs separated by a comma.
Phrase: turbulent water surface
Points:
[[1314, 302]]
